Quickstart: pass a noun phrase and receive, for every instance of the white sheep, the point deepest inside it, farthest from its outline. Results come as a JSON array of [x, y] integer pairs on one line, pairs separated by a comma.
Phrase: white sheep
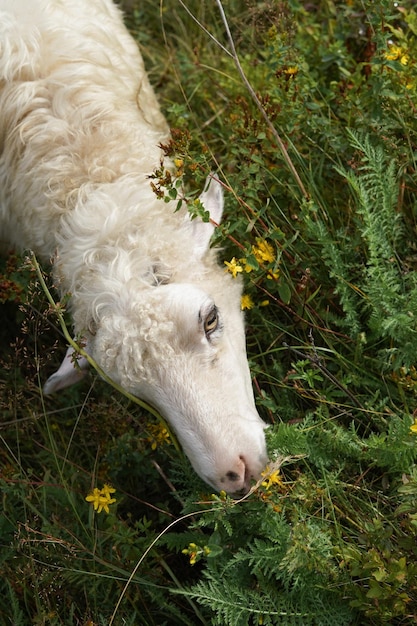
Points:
[[80, 130]]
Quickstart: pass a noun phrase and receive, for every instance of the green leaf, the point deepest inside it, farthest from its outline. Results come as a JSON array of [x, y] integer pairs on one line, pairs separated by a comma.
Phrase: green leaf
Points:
[[284, 292]]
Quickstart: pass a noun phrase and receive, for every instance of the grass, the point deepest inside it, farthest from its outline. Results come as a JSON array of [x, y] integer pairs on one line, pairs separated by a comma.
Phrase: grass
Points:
[[310, 121]]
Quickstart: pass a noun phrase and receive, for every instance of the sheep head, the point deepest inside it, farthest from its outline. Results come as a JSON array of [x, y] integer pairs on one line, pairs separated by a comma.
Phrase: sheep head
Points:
[[180, 345]]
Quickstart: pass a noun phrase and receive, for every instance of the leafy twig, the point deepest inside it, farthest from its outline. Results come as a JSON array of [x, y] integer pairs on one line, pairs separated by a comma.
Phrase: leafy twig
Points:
[[258, 103]]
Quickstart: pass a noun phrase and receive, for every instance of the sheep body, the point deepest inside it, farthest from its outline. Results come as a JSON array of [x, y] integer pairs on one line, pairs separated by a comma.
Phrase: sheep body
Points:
[[80, 130]]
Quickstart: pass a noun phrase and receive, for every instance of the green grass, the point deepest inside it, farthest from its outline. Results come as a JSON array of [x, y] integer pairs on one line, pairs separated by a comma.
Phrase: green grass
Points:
[[314, 133]]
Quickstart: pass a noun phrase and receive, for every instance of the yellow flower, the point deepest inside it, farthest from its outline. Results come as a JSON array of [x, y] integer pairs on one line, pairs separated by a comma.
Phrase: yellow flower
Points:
[[94, 496], [107, 490], [263, 251], [396, 53], [273, 275], [246, 302], [273, 478], [179, 164], [101, 498], [233, 267], [246, 266], [159, 435], [291, 71], [413, 427], [195, 552], [393, 54]]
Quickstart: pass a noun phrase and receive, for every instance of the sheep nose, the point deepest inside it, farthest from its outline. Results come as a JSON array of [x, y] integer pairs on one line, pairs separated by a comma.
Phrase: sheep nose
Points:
[[238, 479]]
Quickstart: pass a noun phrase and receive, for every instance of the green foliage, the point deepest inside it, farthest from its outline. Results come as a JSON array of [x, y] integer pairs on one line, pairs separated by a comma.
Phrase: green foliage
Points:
[[327, 256], [382, 287]]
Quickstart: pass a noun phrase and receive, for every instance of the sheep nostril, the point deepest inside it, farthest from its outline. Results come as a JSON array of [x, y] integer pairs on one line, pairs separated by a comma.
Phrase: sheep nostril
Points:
[[233, 477]]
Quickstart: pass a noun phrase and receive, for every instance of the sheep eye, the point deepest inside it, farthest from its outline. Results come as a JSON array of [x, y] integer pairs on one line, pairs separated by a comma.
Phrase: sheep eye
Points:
[[211, 322]]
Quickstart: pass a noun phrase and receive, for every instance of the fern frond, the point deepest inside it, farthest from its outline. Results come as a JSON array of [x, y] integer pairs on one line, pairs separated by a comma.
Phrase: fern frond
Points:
[[239, 606], [339, 268], [234, 606], [388, 290], [11, 600]]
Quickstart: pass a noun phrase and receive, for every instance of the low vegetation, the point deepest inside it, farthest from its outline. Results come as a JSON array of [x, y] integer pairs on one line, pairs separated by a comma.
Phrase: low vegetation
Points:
[[307, 112]]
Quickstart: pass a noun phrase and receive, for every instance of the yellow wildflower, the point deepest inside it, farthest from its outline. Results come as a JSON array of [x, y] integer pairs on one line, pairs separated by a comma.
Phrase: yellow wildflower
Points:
[[396, 53], [107, 490], [195, 552], [263, 251], [273, 478], [159, 435], [233, 267], [393, 54], [246, 302], [101, 498], [246, 266], [179, 164], [273, 275], [192, 552], [291, 71], [264, 303], [94, 497], [413, 427]]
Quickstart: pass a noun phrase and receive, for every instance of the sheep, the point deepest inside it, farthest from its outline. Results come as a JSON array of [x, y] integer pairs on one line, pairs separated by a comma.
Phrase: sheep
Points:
[[80, 132]]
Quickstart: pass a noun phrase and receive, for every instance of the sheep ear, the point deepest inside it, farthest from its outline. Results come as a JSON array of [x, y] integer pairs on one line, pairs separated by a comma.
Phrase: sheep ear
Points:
[[212, 200], [69, 373]]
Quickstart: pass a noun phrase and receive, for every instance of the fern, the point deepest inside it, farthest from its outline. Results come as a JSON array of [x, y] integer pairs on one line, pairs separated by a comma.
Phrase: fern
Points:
[[332, 253], [375, 186], [10, 599], [377, 191], [284, 575], [237, 606], [401, 453], [379, 294], [234, 606], [330, 444], [263, 557]]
